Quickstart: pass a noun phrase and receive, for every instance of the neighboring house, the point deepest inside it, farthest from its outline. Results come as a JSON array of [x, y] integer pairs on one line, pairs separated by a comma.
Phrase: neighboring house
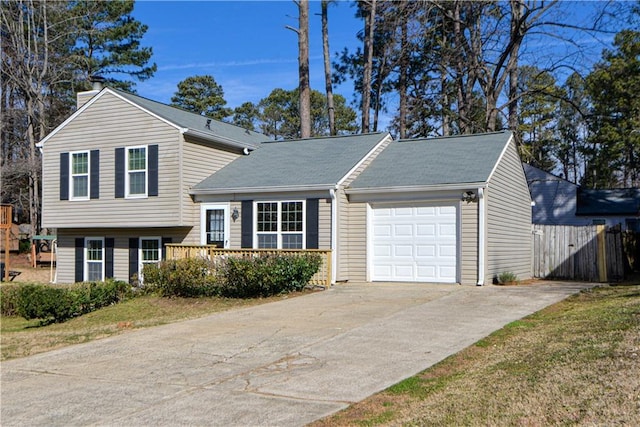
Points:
[[611, 207], [124, 176], [561, 202], [554, 198]]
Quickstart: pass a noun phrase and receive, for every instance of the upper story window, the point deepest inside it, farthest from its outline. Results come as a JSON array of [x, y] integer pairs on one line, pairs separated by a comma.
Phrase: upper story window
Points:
[[79, 172], [280, 225], [136, 172]]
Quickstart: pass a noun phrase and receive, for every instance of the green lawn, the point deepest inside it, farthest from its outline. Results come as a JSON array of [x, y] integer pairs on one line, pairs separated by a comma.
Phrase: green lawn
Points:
[[574, 363]]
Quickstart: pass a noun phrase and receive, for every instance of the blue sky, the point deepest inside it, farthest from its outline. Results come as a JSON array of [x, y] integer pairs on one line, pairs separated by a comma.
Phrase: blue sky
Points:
[[244, 45]]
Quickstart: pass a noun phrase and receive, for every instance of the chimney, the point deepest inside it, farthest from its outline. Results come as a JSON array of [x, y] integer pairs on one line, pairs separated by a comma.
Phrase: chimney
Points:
[[97, 83]]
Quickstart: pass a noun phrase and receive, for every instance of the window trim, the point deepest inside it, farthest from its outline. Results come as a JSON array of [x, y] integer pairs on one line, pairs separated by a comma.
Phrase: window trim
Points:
[[204, 207], [141, 261], [86, 261], [279, 233], [127, 173], [72, 195]]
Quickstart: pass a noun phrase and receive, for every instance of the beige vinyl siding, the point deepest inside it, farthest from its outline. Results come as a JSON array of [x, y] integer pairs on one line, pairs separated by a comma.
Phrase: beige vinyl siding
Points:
[[469, 243], [324, 224], [66, 247], [508, 217], [198, 162], [107, 124], [352, 228]]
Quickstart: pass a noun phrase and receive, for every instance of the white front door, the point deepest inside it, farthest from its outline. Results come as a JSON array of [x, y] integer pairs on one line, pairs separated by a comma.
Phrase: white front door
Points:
[[214, 225], [415, 243]]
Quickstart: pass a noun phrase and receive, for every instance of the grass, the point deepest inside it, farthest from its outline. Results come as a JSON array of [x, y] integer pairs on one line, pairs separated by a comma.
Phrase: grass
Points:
[[20, 337], [574, 363]]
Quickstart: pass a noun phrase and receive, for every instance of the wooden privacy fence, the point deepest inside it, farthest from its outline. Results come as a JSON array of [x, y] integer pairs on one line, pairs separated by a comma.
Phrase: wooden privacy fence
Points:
[[322, 277], [593, 253]]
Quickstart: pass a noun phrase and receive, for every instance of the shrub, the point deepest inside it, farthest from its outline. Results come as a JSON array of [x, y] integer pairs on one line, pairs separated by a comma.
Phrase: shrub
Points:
[[48, 303], [268, 275], [60, 303], [507, 277], [9, 299], [189, 277]]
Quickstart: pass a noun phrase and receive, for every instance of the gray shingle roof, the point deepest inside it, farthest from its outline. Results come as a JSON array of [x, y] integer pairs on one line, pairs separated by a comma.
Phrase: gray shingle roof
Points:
[[436, 161], [196, 122], [295, 163]]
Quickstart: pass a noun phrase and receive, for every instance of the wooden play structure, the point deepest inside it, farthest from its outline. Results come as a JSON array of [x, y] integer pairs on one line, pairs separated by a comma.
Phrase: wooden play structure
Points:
[[5, 226]]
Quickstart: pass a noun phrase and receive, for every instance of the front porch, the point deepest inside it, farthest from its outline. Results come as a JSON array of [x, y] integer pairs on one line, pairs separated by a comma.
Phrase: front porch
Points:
[[211, 252]]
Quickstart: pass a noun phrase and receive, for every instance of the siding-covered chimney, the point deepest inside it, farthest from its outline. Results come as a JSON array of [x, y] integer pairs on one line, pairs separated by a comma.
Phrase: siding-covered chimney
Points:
[[97, 83]]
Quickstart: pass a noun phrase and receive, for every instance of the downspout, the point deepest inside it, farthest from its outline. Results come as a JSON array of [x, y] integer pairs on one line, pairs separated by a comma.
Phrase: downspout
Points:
[[481, 236], [334, 233]]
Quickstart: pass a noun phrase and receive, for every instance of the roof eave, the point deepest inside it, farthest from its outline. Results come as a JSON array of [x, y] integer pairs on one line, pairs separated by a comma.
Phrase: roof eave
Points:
[[416, 188], [270, 189], [218, 139]]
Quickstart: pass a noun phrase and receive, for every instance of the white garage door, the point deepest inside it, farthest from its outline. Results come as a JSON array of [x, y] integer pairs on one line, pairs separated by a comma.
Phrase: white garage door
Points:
[[415, 243]]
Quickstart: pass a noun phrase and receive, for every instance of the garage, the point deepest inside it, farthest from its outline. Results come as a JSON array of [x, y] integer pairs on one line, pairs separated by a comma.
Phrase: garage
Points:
[[414, 243]]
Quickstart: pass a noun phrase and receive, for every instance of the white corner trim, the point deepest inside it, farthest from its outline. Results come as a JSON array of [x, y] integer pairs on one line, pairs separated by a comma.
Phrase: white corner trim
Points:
[[334, 234], [481, 235]]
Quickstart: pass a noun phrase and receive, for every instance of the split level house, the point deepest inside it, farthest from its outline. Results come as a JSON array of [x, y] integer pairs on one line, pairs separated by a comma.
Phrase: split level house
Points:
[[124, 176]]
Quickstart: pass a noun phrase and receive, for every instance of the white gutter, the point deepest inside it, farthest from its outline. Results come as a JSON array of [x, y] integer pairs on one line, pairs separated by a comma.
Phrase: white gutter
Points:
[[413, 188], [334, 234], [218, 138], [245, 190], [481, 235]]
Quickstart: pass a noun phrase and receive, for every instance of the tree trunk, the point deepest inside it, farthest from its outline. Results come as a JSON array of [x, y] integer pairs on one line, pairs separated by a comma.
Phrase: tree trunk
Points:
[[369, 30], [327, 67], [402, 79], [303, 69]]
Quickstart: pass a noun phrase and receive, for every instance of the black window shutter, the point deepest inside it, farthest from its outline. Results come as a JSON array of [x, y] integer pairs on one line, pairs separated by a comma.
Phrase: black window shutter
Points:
[[119, 173], [64, 176], [312, 223], [153, 170], [247, 224], [94, 191], [109, 243], [133, 257], [79, 277], [165, 242]]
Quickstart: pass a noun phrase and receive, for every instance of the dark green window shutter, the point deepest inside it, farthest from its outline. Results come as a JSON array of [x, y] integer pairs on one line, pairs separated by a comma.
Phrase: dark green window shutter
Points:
[[94, 191], [79, 261], [246, 241], [133, 257], [64, 176], [153, 170], [108, 257], [312, 224], [165, 242], [119, 177]]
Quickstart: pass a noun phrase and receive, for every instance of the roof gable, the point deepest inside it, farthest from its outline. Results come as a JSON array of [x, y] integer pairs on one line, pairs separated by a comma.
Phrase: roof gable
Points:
[[291, 164], [188, 123], [466, 159]]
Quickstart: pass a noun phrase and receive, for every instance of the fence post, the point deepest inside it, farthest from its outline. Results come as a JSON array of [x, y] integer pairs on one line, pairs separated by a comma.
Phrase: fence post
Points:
[[602, 253]]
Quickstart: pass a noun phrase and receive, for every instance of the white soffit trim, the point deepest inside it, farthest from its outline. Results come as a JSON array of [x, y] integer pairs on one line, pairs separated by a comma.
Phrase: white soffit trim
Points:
[[277, 189], [504, 150], [416, 188], [362, 160]]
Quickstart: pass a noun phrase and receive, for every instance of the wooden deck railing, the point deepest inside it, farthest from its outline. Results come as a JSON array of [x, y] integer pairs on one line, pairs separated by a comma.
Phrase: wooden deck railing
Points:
[[322, 277]]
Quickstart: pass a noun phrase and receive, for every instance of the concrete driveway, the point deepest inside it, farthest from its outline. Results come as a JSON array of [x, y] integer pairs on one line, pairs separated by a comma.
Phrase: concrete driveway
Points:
[[283, 364]]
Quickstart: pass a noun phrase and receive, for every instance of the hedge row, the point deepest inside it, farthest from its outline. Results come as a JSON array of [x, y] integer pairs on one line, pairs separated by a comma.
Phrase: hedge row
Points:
[[231, 277], [59, 303]]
